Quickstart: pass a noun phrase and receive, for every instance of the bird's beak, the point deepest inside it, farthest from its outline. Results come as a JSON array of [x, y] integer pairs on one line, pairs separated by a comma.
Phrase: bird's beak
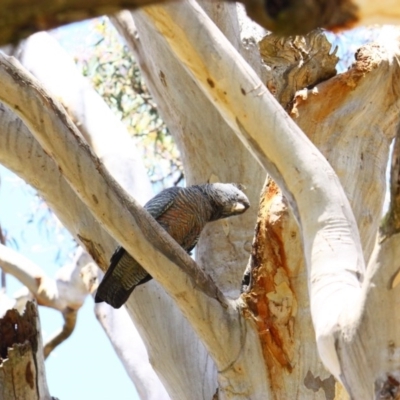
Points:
[[239, 208]]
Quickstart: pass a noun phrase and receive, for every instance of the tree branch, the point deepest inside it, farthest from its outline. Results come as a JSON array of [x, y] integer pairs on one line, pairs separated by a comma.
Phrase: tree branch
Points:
[[69, 316], [289, 17], [63, 294], [43, 56], [66, 291], [331, 240], [128, 222], [27, 272], [131, 350], [69, 141], [20, 152], [224, 246]]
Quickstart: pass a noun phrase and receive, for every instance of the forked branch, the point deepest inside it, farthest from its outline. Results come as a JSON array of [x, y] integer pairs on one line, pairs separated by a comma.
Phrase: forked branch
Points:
[[330, 235]]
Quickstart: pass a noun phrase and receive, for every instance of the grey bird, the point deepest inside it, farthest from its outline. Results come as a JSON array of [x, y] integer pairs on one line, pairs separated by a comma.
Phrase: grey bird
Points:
[[183, 213]]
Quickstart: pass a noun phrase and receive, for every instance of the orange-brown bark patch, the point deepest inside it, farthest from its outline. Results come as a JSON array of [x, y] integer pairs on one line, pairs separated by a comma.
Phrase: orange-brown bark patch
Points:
[[328, 96], [271, 300]]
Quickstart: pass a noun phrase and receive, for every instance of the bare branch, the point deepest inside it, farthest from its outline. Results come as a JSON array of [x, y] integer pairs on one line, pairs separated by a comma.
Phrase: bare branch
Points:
[[331, 240], [224, 246], [29, 274], [140, 235], [131, 350], [69, 316], [21, 153], [43, 56], [63, 292], [66, 293], [101, 186]]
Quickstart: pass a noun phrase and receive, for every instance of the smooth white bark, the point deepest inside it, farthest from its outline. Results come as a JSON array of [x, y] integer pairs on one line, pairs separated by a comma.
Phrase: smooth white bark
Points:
[[380, 336], [216, 320], [330, 236], [41, 55], [65, 290], [210, 153], [44, 57], [21, 153]]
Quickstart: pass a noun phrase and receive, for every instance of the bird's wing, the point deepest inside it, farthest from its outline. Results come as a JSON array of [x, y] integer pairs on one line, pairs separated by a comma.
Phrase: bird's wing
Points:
[[160, 203], [124, 272]]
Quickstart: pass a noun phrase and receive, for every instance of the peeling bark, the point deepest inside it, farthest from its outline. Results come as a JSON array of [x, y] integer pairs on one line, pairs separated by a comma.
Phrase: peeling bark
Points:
[[332, 128], [296, 63]]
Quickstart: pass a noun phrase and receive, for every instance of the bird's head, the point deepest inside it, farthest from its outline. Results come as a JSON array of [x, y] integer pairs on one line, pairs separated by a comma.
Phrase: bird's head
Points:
[[228, 199]]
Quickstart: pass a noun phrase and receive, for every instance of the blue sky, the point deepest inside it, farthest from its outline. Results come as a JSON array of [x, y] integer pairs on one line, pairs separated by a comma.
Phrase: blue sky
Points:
[[85, 365]]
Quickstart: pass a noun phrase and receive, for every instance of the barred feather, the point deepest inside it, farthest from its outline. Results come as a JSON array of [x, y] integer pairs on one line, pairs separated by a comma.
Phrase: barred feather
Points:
[[183, 213]]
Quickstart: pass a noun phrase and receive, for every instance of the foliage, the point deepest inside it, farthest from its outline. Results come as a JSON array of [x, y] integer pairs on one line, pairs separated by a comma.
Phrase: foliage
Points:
[[115, 75]]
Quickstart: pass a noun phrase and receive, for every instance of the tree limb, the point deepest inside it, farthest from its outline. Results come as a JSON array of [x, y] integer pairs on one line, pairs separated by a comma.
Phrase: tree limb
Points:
[[331, 240], [289, 17], [224, 246], [22, 154], [60, 294], [135, 229], [43, 56], [68, 142], [131, 350], [16, 144], [69, 316], [27, 272]]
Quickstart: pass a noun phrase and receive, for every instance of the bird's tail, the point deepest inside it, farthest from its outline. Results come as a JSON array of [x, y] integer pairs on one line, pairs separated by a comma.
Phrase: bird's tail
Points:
[[122, 276]]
